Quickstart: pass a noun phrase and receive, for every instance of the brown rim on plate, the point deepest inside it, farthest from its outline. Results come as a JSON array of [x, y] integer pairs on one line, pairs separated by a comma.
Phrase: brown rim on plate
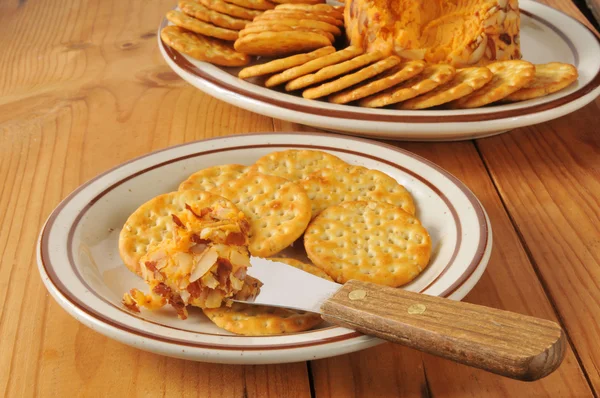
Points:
[[306, 107], [76, 302]]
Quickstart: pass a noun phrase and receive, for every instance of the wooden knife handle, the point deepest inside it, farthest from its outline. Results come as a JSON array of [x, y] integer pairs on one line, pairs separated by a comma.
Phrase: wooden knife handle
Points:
[[513, 345]]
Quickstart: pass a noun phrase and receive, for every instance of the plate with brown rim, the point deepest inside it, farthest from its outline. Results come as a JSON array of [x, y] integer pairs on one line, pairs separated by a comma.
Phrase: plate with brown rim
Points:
[[79, 262], [547, 35]]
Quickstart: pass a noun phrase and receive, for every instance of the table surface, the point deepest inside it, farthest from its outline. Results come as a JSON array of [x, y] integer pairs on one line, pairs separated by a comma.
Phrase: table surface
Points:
[[84, 88]]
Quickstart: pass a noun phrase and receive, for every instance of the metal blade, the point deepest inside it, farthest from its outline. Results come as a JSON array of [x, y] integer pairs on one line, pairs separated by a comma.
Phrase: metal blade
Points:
[[286, 286]]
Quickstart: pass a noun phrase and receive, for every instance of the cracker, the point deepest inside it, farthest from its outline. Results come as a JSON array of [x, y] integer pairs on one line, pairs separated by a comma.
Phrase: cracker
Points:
[[284, 63], [368, 241], [302, 23], [314, 65], [230, 9], [310, 268], [295, 164], [152, 223], [351, 79], [329, 187], [195, 25], [320, 8], [260, 320], [431, 77], [463, 83], [199, 11], [280, 43], [212, 177], [332, 71], [549, 78], [250, 29], [388, 79], [253, 4], [202, 48], [509, 76], [278, 210], [299, 1], [278, 14]]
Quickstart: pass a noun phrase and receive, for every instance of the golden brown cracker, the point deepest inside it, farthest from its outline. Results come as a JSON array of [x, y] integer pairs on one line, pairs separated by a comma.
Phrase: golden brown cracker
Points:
[[253, 4], [310, 268], [260, 320], [299, 1], [199, 11], [320, 8], [212, 177], [431, 77], [295, 164], [368, 241], [284, 63], [280, 43], [549, 78], [331, 186], [202, 48], [463, 83], [230, 9], [314, 65], [301, 23], [351, 79], [278, 210], [332, 71], [508, 77], [388, 79], [290, 14], [253, 28], [195, 25]]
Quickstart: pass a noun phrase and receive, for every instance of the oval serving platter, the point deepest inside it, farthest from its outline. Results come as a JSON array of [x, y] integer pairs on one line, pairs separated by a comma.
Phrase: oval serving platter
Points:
[[79, 262], [547, 35]]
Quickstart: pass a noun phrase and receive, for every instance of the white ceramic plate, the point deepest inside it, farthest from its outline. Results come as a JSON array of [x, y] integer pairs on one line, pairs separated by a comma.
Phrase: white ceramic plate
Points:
[[547, 35], [79, 261]]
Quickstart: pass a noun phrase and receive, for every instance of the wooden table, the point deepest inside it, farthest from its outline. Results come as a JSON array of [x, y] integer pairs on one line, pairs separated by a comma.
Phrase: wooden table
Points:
[[84, 88]]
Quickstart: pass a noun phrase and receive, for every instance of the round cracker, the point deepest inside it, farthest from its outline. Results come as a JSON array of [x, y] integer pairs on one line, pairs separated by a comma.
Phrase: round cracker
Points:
[[260, 320], [463, 83], [284, 63], [201, 47], [338, 12], [295, 164], [509, 76], [388, 79], [310, 268], [195, 25], [332, 71], [230, 9], [280, 43], [253, 28], [212, 177], [549, 78], [278, 210], [153, 222], [199, 11], [303, 23], [299, 1], [329, 187], [368, 241], [278, 14], [351, 79], [253, 4], [431, 77]]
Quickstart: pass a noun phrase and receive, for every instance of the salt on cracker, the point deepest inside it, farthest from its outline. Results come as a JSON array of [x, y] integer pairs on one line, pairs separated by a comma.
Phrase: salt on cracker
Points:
[[314, 65], [388, 79], [351, 79], [253, 28], [329, 187], [280, 43], [303, 23], [153, 222], [278, 14], [284, 63], [260, 320], [295, 164], [332, 71], [508, 77], [195, 25], [431, 77], [202, 48], [253, 4], [199, 11], [212, 177], [463, 83], [230, 9], [549, 78], [310, 268], [278, 210], [368, 241]]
